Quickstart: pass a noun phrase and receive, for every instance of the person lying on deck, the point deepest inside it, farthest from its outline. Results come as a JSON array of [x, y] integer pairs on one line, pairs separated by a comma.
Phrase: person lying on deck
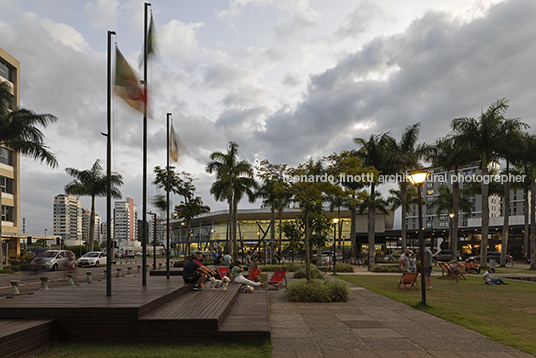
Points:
[[238, 277]]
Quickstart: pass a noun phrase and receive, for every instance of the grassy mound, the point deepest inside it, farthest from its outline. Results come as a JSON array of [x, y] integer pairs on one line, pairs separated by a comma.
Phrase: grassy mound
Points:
[[318, 291]]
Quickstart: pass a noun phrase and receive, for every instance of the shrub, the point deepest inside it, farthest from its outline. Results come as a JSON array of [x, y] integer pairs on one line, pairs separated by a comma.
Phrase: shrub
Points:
[[318, 291], [386, 268], [8, 270], [290, 267], [344, 267], [178, 263], [315, 273]]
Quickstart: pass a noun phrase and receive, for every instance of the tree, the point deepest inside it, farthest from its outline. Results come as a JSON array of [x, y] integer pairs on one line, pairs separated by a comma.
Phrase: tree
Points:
[[485, 136], [407, 159], [450, 154], [444, 204], [19, 132], [234, 179], [93, 182], [180, 184], [378, 152]]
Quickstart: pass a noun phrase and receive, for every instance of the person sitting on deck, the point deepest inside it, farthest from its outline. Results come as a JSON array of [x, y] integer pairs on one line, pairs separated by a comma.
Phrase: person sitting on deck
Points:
[[227, 259], [255, 272], [238, 277], [193, 272]]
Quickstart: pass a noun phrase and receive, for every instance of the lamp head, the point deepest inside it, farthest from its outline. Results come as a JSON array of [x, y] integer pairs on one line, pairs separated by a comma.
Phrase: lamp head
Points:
[[335, 220], [417, 178]]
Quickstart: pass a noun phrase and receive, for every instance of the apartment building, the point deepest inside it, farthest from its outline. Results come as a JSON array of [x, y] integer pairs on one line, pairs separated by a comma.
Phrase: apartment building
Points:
[[125, 220], [86, 220], [67, 217]]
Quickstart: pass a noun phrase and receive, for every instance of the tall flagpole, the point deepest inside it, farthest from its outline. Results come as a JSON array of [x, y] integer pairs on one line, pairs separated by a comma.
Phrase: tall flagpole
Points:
[[144, 196], [167, 199], [109, 257]]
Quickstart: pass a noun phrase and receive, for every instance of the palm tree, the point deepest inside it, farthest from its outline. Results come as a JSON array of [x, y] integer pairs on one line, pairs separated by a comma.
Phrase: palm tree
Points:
[[93, 182], [449, 154], [407, 160], [395, 200], [19, 133], [377, 151], [444, 204], [233, 179], [486, 136]]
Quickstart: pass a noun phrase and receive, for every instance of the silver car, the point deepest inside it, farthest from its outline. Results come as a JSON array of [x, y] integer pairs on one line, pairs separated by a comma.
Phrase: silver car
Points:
[[53, 260]]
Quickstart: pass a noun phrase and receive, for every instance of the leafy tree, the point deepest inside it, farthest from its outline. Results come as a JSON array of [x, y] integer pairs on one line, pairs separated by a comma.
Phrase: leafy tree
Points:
[[294, 236], [486, 136], [234, 180], [93, 182], [19, 132], [378, 152]]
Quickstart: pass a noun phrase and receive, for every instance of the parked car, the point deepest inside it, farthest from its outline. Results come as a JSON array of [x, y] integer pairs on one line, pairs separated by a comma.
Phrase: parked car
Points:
[[326, 256], [130, 254], [52, 260], [443, 256], [93, 258], [490, 256]]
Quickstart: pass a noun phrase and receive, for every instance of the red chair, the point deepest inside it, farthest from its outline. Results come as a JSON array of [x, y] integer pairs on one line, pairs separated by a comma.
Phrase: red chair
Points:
[[409, 280], [223, 271], [277, 279]]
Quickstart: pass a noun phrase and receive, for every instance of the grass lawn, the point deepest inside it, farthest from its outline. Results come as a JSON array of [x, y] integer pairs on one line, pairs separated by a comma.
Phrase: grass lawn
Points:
[[262, 349], [506, 314]]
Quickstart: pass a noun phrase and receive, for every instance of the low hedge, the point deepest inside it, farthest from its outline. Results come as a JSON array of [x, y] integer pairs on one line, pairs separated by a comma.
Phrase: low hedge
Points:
[[318, 291], [289, 267], [344, 268], [386, 268], [315, 273]]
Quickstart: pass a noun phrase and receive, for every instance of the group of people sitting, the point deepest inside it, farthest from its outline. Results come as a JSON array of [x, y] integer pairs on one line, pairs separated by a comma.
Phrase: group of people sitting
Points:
[[195, 272]]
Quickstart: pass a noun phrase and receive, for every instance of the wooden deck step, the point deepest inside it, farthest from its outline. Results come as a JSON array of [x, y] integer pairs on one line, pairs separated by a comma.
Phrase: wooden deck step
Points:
[[204, 309], [22, 337]]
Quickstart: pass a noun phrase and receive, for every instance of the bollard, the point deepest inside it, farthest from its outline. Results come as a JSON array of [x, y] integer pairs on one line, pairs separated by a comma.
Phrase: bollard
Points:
[[44, 283], [159, 265], [89, 277], [14, 287], [118, 272], [104, 278], [129, 270], [139, 269], [70, 279]]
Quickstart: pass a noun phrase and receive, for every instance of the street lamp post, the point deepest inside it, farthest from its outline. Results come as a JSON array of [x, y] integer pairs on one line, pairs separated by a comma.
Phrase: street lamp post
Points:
[[451, 236], [418, 179], [335, 221], [45, 240]]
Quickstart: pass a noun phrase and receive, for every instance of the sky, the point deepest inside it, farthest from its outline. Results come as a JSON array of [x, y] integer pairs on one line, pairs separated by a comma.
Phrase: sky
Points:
[[287, 80]]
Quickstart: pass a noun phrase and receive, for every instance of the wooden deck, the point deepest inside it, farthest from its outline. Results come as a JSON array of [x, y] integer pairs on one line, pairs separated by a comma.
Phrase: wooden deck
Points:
[[164, 311], [21, 337]]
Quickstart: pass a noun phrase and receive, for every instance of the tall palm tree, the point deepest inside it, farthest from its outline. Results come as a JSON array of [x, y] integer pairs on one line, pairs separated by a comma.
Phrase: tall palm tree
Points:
[[450, 154], [93, 182], [444, 204], [377, 151], [486, 136], [233, 179], [19, 132], [407, 160], [395, 199]]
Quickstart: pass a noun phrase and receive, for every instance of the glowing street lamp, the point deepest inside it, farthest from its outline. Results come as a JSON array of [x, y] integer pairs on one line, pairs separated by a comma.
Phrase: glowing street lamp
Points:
[[417, 179]]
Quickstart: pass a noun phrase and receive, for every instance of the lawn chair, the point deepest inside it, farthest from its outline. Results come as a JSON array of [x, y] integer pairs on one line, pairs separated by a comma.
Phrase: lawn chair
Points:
[[278, 278], [222, 271], [447, 273], [409, 278]]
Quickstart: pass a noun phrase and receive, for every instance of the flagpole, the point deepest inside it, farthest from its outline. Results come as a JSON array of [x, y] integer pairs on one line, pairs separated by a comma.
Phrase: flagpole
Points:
[[109, 257], [144, 216], [167, 200]]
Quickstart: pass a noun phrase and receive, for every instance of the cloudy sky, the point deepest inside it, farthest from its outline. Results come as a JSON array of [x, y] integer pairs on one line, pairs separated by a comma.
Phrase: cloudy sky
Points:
[[287, 80]]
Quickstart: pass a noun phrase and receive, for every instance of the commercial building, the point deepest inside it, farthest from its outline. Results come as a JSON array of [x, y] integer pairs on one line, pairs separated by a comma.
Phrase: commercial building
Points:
[[86, 220], [10, 167], [125, 221]]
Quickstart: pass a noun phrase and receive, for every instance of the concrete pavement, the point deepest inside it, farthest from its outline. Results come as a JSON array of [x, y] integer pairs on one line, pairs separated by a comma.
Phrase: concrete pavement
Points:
[[371, 325]]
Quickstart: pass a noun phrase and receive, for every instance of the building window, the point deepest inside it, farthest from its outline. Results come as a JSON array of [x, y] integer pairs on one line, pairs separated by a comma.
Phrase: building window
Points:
[[5, 156], [7, 213], [5, 71], [6, 185]]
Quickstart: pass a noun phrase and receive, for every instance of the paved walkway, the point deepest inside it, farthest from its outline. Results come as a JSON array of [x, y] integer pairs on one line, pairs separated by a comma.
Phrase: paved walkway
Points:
[[371, 325]]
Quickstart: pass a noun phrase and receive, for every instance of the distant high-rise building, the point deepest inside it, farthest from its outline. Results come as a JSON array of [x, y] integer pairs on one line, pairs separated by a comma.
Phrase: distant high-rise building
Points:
[[10, 160], [86, 219], [104, 232], [125, 220], [67, 217]]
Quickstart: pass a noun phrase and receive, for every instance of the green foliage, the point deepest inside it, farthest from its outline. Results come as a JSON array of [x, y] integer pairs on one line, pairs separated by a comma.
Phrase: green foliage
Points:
[[340, 267], [315, 273], [8, 270], [386, 268], [318, 291], [289, 267], [178, 263]]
